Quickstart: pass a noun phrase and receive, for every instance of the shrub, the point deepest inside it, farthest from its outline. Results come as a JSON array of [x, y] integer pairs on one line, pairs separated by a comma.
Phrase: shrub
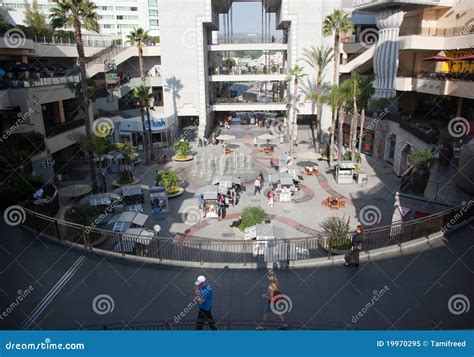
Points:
[[22, 183], [336, 227], [340, 243], [169, 180], [80, 214], [182, 147], [423, 157], [251, 216]]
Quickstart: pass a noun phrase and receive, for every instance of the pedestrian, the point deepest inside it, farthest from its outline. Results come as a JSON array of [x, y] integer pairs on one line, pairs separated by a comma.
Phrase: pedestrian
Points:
[[260, 176], [232, 196], [205, 141], [352, 258], [257, 186], [204, 300], [271, 198], [255, 142], [200, 200], [200, 142], [273, 296]]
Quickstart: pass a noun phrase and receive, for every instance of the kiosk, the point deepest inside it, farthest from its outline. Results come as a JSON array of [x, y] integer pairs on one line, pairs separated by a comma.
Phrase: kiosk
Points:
[[159, 202], [344, 172]]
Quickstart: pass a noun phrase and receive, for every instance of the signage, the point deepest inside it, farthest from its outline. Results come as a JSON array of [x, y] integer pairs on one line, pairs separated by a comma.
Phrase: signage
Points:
[[156, 124], [111, 78]]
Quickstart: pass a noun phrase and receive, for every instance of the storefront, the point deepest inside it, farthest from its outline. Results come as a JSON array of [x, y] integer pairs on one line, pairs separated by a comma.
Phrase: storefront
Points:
[[162, 129]]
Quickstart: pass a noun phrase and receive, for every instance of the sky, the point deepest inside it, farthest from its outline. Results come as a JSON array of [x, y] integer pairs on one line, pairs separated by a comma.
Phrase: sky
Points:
[[247, 17]]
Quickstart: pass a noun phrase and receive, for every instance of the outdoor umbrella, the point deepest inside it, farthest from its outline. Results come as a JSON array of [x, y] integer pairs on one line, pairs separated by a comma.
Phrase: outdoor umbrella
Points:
[[225, 137], [437, 58], [2, 72], [266, 137], [75, 191]]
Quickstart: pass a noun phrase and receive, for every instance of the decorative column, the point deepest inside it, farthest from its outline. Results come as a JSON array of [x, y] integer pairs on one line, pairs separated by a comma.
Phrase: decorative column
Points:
[[386, 53]]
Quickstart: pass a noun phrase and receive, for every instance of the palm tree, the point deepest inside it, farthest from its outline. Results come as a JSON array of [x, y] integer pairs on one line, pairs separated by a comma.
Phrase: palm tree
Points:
[[318, 58], [336, 23], [366, 91], [139, 37], [335, 99], [295, 74], [143, 97], [79, 14], [353, 86]]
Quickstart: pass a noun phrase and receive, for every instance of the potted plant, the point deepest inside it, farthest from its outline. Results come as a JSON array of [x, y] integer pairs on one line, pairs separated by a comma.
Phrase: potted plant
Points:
[[169, 180], [337, 231], [182, 147], [446, 150], [251, 216], [422, 159]]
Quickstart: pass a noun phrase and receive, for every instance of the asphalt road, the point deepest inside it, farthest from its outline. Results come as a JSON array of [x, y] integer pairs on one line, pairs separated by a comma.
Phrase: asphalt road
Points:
[[413, 290]]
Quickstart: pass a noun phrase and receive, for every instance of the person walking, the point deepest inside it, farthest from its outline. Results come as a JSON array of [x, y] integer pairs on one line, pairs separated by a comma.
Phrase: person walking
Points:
[[255, 142], [273, 295], [352, 258], [257, 186], [204, 300], [200, 143], [271, 198]]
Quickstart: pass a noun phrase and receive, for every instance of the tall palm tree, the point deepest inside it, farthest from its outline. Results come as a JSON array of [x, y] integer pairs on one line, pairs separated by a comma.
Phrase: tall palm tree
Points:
[[337, 23], [139, 38], [143, 97], [295, 74], [353, 85], [335, 99], [318, 58], [79, 14], [366, 91]]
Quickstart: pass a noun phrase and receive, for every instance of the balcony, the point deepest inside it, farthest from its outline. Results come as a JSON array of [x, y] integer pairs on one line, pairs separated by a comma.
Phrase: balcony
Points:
[[60, 128], [436, 83], [39, 82]]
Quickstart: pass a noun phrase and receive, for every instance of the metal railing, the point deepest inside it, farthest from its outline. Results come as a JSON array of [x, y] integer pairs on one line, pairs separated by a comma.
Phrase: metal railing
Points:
[[44, 81], [204, 250]]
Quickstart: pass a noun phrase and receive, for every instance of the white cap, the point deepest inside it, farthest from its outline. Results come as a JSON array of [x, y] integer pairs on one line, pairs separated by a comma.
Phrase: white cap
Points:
[[200, 279]]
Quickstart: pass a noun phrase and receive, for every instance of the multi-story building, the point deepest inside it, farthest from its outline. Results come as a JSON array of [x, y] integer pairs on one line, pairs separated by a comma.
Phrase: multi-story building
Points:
[[421, 55], [117, 17], [197, 38]]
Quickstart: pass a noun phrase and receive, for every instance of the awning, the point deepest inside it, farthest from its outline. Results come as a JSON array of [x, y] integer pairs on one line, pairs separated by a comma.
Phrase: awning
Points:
[[438, 58]]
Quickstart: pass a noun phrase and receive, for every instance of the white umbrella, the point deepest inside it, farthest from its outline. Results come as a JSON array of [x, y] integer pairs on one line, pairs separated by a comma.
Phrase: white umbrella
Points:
[[310, 155], [266, 137]]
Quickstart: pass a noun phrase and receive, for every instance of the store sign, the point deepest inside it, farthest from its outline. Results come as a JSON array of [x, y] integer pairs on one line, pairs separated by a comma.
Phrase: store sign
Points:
[[156, 124], [111, 78]]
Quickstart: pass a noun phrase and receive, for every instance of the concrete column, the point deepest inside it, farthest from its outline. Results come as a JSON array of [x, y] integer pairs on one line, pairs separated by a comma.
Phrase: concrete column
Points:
[[386, 53], [59, 112], [459, 107]]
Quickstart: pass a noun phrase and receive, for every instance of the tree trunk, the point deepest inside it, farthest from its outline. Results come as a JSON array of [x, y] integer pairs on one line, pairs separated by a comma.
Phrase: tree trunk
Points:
[[142, 65], [319, 110], [85, 104], [353, 138], [340, 136], [333, 134], [150, 133], [361, 133], [145, 136], [336, 56], [294, 128]]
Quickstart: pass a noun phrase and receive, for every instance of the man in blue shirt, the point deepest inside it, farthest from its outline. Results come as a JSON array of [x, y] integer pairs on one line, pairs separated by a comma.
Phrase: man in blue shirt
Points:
[[204, 299]]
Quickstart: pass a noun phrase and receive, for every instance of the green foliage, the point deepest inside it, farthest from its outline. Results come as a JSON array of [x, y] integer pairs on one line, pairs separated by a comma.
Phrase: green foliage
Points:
[[423, 157], [229, 62], [22, 183], [318, 58], [336, 227], [81, 214], [182, 147], [168, 179], [340, 243], [125, 178], [138, 37], [142, 95], [347, 156], [16, 156], [338, 22], [94, 144], [128, 150], [67, 13], [76, 88], [358, 158], [35, 19], [251, 216]]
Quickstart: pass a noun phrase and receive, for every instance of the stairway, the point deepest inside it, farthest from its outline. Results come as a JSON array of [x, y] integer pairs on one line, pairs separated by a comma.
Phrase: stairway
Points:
[[358, 61], [119, 54]]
